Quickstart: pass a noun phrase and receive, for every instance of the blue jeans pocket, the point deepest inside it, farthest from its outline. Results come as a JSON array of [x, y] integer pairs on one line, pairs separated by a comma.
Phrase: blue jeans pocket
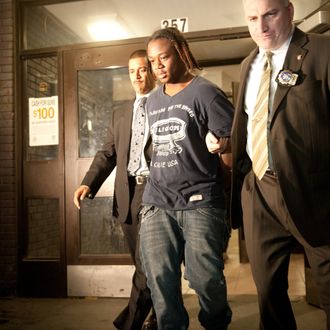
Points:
[[218, 217], [147, 212], [214, 212]]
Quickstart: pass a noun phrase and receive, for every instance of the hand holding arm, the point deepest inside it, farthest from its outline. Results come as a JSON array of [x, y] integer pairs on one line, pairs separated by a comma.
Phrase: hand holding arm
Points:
[[221, 146], [212, 143]]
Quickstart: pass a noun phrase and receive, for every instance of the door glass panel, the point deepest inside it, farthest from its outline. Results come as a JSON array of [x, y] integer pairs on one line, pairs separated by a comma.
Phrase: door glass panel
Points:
[[43, 228], [99, 233], [41, 82], [42, 29], [99, 92]]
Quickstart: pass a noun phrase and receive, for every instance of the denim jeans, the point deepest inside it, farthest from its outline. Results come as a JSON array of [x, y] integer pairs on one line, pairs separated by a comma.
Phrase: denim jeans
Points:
[[197, 238]]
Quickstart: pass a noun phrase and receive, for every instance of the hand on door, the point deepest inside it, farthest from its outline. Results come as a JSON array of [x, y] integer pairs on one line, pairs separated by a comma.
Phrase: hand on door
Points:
[[80, 194]]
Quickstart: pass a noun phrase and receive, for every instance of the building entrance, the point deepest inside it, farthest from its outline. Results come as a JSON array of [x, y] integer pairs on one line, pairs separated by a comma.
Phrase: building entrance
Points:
[[96, 82]]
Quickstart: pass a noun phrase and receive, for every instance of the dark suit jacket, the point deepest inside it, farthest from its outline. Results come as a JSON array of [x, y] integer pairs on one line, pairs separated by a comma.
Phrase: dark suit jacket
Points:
[[299, 138], [115, 152]]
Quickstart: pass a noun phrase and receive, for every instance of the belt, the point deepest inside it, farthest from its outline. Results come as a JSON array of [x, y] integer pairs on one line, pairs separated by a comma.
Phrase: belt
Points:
[[271, 173], [139, 179]]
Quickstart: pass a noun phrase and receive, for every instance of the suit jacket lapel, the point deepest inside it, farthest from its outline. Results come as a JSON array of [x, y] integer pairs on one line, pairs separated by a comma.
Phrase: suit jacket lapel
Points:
[[127, 126], [244, 72], [293, 62], [240, 120]]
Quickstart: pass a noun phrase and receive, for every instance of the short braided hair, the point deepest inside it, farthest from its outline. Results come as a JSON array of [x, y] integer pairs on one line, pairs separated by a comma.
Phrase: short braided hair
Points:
[[180, 44]]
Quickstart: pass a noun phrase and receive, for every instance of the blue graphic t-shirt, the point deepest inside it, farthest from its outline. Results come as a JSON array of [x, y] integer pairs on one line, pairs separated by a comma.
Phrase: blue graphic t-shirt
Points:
[[183, 173]]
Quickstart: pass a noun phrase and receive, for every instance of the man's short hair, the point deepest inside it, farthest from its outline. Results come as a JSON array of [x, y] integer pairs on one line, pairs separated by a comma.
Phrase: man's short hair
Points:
[[139, 53]]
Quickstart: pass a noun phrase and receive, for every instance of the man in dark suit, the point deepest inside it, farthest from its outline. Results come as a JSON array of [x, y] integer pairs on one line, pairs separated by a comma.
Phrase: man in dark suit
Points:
[[129, 186], [291, 201]]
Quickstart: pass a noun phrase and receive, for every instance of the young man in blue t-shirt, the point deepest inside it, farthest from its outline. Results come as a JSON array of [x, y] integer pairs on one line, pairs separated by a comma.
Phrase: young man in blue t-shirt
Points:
[[184, 204]]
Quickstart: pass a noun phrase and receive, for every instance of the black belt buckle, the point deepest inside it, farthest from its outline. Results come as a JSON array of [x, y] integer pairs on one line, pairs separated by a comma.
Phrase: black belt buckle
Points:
[[140, 179]]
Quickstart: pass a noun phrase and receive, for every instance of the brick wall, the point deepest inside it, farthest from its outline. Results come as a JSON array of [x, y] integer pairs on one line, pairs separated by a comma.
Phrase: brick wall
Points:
[[8, 234]]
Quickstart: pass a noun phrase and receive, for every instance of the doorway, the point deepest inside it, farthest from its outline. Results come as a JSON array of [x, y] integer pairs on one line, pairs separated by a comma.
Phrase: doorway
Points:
[[95, 82]]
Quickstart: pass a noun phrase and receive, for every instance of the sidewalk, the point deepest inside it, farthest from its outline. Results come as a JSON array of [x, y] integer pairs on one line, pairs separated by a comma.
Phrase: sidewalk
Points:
[[98, 313]]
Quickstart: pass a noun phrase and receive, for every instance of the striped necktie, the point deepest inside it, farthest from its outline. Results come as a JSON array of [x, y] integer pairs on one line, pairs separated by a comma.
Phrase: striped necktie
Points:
[[137, 137], [259, 121]]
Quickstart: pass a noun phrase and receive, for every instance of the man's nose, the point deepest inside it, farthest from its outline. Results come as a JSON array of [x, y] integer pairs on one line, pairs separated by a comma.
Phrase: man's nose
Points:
[[158, 64], [263, 25]]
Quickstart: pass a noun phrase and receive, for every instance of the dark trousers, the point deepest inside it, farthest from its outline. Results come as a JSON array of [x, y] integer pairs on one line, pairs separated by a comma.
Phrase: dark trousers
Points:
[[139, 305], [270, 236]]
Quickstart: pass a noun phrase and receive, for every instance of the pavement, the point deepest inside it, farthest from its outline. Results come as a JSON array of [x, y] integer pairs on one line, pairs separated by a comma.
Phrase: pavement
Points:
[[98, 313]]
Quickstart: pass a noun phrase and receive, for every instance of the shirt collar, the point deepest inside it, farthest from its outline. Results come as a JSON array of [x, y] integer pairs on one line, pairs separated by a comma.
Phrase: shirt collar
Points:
[[139, 96]]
